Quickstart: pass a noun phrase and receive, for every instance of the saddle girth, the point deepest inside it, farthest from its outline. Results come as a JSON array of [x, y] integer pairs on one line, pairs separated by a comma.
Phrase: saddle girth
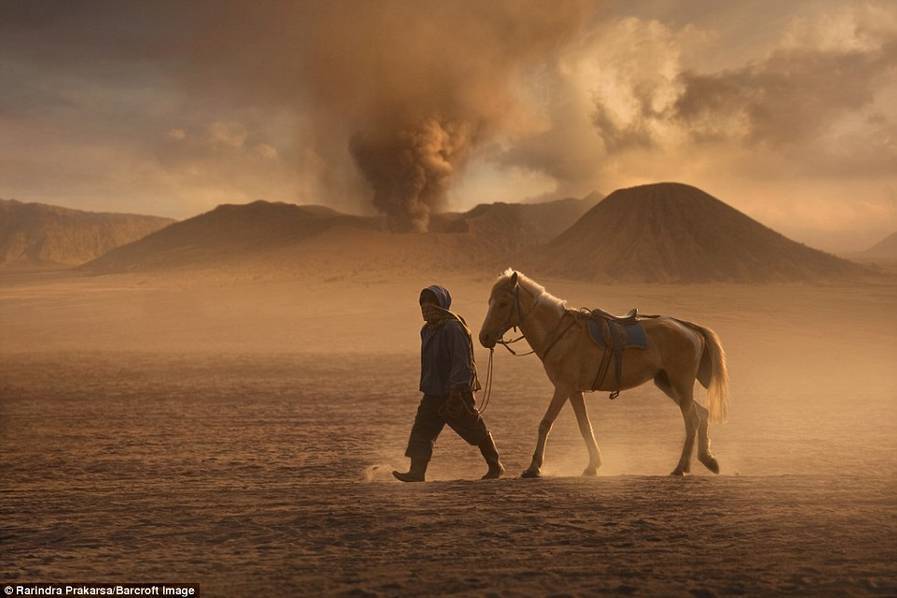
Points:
[[613, 332]]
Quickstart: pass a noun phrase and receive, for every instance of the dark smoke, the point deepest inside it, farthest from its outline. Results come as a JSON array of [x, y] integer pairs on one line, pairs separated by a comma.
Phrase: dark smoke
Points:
[[420, 86], [406, 90], [389, 98], [410, 168]]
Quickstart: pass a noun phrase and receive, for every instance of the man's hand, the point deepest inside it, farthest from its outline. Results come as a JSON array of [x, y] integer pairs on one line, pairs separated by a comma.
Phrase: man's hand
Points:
[[455, 406]]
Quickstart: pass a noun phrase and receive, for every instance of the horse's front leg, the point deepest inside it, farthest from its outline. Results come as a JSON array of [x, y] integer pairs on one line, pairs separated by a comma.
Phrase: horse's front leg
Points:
[[585, 428], [557, 402]]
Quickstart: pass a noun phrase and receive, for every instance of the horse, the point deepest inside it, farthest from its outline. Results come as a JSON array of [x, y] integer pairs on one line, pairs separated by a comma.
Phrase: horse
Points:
[[677, 352]]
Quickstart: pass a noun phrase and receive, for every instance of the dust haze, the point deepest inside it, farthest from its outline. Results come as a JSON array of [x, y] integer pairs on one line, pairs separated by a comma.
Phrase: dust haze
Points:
[[217, 220], [410, 92], [287, 403], [405, 110]]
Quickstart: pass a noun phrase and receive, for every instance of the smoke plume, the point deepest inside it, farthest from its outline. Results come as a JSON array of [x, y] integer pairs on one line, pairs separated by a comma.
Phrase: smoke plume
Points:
[[418, 87], [403, 93], [410, 168], [385, 101]]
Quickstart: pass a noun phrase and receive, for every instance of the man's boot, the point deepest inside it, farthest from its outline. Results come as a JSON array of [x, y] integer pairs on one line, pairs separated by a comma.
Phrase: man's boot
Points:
[[490, 454], [416, 473]]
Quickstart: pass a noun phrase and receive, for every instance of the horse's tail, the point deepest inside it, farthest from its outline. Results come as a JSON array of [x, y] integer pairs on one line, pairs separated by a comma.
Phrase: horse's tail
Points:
[[713, 373]]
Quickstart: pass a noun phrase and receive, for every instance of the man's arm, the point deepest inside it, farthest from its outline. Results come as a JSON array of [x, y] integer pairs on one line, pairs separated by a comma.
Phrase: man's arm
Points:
[[461, 373]]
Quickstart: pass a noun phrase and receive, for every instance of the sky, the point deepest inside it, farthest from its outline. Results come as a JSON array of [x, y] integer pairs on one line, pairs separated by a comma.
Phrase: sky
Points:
[[785, 110]]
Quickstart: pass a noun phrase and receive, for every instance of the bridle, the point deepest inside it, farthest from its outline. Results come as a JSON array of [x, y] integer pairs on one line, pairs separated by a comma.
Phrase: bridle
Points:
[[487, 385], [521, 317]]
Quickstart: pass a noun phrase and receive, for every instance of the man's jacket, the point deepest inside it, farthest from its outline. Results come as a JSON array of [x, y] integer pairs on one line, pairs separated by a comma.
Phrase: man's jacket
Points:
[[446, 354]]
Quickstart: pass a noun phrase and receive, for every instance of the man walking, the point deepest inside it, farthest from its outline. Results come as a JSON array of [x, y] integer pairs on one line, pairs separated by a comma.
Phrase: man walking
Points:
[[448, 380]]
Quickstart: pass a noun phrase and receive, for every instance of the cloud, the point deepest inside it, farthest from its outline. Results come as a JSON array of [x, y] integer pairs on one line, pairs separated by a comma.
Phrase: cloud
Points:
[[803, 135], [393, 97], [391, 104], [609, 93], [268, 152], [227, 134], [818, 88]]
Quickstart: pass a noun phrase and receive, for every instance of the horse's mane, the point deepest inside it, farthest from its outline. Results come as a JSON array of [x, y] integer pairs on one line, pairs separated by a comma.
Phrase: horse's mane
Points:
[[533, 287]]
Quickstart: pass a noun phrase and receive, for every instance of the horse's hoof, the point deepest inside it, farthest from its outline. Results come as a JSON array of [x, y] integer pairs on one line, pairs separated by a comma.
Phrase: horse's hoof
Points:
[[590, 472], [495, 472], [710, 463], [531, 473], [678, 473]]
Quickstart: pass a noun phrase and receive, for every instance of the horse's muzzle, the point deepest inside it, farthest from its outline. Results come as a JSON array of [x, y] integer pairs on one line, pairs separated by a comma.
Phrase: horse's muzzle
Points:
[[486, 340]]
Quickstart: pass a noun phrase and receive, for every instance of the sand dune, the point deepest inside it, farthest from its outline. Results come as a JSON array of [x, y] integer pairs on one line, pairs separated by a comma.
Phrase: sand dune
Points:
[[670, 232], [40, 235]]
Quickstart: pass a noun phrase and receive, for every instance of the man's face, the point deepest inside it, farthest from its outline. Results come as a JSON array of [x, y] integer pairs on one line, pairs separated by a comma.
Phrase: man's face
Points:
[[427, 301]]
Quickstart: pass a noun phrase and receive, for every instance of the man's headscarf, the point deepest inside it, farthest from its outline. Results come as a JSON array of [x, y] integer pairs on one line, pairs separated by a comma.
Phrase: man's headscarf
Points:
[[435, 313]]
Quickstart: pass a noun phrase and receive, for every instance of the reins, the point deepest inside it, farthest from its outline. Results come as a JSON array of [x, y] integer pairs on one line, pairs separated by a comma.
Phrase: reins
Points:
[[490, 365], [487, 386], [506, 345], [490, 368], [612, 352]]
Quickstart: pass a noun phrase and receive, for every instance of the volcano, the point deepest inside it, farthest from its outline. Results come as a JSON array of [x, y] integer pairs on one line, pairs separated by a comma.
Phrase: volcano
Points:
[[43, 235], [226, 233], [672, 232], [282, 237], [517, 224]]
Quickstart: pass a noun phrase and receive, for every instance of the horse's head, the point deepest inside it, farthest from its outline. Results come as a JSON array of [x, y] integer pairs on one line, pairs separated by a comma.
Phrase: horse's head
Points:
[[504, 309]]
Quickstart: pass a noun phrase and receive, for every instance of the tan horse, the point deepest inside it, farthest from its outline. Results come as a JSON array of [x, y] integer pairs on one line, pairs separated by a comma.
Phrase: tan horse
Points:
[[677, 353]]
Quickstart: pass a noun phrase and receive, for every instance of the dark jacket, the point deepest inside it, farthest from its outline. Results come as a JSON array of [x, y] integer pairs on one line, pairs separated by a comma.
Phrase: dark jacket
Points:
[[446, 353]]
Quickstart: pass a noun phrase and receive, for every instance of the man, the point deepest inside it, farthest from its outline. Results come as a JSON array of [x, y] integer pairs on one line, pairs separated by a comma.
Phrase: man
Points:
[[448, 380]]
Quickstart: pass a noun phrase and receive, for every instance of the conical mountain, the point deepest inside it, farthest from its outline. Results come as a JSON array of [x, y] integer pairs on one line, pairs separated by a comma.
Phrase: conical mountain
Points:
[[671, 232]]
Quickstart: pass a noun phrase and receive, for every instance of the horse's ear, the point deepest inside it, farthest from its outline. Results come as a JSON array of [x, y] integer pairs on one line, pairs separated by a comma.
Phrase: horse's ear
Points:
[[514, 279]]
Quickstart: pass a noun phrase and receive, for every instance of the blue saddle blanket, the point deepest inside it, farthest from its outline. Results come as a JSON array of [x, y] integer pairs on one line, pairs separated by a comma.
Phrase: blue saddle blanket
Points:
[[635, 337]]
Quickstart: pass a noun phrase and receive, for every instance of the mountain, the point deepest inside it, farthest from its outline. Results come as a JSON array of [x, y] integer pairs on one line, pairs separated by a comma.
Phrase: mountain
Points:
[[264, 236], [227, 233], [513, 226], [885, 250], [41, 235], [671, 232]]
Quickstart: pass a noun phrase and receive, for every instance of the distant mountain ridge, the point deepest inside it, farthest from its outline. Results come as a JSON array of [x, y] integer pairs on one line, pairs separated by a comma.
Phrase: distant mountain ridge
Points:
[[665, 232], [228, 231], [516, 225], [43, 235], [885, 250], [672, 232], [288, 236]]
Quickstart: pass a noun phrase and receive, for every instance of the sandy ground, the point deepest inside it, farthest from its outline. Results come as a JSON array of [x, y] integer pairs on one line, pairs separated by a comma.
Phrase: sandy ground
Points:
[[240, 436]]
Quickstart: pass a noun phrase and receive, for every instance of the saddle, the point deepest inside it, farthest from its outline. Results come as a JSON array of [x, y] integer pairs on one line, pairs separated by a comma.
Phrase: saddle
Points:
[[630, 317], [614, 334]]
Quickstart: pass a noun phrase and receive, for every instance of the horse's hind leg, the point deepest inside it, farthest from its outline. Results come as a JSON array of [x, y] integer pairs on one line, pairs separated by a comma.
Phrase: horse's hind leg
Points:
[[585, 428], [704, 454], [682, 394]]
